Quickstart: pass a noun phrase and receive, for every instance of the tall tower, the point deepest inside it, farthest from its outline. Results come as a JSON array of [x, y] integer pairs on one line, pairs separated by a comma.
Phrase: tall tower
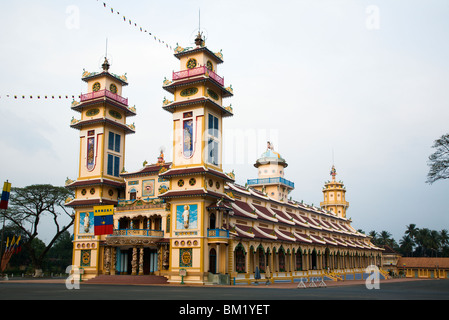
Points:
[[334, 196], [271, 179], [102, 130], [196, 177]]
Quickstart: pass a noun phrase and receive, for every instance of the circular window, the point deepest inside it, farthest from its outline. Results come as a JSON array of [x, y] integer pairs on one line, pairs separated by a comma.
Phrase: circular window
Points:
[[217, 185], [113, 88], [111, 192], [180, 183], [83, 192], [192, 181], [211, 183], [96, 86], [191, 63], [209, 65], [92, 191], [92, 112]]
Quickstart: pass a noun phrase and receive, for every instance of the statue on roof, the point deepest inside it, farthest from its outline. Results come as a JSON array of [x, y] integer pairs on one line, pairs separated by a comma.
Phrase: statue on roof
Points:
[[333, 172]]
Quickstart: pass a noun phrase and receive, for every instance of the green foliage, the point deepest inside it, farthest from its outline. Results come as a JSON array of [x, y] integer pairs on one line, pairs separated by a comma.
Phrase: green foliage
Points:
[[439, 160]]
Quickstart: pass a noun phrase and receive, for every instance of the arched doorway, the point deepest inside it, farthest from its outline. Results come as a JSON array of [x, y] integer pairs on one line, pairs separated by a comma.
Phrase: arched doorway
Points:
[[261, 255], [314, 260], [212, 261]]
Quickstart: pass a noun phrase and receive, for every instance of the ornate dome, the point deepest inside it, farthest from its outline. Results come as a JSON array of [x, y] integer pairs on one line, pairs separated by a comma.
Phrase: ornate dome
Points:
[[270, 156]]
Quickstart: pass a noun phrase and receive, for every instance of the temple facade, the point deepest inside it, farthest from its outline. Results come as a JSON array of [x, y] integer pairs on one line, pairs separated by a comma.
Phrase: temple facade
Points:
[[187, 220]]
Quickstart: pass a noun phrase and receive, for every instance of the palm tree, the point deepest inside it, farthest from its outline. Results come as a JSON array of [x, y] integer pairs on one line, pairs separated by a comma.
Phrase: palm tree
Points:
[[373, 235], [422, 241], [406, 245], [411, 230], [385, 238]]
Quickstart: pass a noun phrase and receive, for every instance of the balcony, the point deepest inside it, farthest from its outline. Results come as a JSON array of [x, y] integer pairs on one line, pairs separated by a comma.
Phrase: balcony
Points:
[[218, 233], [270, 181], [197, 72], [103, 93], [138, 233]]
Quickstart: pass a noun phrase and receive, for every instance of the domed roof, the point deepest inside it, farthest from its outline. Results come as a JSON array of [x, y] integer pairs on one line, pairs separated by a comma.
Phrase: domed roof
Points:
[[270, 156]]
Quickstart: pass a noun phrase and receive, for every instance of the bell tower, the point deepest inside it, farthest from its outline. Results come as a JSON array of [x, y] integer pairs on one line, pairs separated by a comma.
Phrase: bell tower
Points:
[[198, 239], [334, 196], [198, 93], [102, 129]]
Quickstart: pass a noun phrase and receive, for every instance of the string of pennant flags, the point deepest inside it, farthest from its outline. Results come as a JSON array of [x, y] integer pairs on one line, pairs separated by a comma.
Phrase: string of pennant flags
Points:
[[73, 97], [43, 97], [131, 22]]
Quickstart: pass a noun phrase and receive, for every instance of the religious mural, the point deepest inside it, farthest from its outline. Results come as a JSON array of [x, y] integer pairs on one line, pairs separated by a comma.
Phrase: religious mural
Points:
[[148, 188], [86, 223], [187, 216]]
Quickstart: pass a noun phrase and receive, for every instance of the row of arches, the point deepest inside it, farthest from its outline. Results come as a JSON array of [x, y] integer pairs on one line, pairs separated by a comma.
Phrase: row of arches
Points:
[[299, 259]]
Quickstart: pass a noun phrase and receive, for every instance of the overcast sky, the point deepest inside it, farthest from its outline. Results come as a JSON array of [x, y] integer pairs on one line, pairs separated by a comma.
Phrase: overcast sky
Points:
[[361, 84]]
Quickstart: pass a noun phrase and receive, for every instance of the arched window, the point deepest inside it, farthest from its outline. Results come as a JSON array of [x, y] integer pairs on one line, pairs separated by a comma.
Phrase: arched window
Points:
[[281, 255], [212, 221], [299, 260], [240, 259], [132, 194]]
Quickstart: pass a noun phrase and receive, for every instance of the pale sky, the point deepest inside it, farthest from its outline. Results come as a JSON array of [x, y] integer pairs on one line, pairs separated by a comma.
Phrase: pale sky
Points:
[[361, 84]]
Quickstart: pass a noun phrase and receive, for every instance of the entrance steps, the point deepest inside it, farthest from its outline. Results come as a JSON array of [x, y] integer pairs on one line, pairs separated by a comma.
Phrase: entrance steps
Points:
[[127, 279]]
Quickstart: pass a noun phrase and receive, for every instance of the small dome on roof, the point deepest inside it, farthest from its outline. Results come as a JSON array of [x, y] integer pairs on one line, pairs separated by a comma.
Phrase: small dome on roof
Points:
[[270, 156]]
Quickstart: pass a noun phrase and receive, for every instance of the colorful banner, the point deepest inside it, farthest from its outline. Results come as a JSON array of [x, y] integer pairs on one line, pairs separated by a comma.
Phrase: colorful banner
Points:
[[103, 220], [5, 195], [11, 248]]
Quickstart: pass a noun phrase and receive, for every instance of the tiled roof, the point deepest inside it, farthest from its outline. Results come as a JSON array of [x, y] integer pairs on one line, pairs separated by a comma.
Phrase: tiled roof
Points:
[[423, 262]]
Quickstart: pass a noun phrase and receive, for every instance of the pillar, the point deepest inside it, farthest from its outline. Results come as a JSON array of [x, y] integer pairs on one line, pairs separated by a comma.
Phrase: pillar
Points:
[[141, 262], [134, 262], [113, 260]]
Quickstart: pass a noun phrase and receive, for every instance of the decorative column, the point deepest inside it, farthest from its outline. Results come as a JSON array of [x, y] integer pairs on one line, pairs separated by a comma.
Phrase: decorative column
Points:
[[134, 262], [113, 260], [141, 262], [107, 260]]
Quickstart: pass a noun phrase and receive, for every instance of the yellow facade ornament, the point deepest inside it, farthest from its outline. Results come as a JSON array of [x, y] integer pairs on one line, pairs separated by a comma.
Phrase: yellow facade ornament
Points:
[[166, 101], [229, 109], [166, 81], [74, 121], [219, 54], [68, 181], [230, 89], [132, 126], [124, 77]]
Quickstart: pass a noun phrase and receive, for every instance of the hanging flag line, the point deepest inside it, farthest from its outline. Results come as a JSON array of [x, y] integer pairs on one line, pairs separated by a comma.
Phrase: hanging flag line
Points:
[[138, 26], [12, 96]]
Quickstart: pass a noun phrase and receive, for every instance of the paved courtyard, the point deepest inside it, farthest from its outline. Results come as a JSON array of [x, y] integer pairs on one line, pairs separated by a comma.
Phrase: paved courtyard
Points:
[[394, 289]]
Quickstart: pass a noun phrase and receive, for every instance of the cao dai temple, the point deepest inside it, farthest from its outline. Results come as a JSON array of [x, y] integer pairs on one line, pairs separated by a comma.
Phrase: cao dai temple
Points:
[[187, 220]]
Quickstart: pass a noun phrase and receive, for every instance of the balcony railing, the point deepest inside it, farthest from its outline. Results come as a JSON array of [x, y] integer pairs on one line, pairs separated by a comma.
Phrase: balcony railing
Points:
[[271, 180], [103, 93], [138, 232], [217, 233], [197, 72]]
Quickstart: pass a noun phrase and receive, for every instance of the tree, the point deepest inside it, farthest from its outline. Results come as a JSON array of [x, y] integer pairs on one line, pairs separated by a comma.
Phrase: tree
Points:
[[406, 245], [28, 206], [439, 160]]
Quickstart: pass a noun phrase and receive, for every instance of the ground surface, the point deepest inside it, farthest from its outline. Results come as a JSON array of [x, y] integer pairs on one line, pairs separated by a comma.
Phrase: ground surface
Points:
[[393, 289]]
